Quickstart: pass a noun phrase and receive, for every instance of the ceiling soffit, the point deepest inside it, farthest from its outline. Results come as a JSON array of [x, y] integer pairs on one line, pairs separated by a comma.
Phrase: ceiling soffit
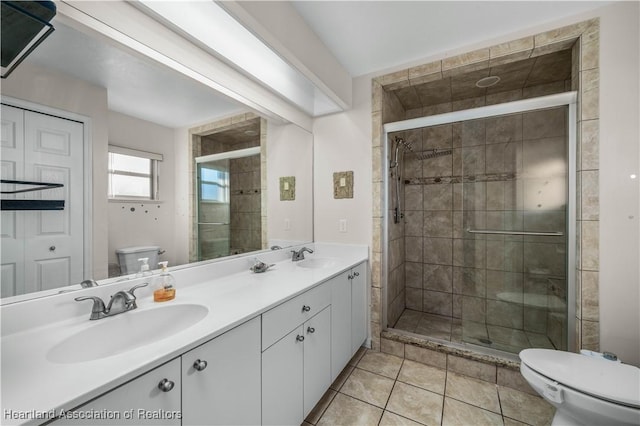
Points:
[[544, 69]]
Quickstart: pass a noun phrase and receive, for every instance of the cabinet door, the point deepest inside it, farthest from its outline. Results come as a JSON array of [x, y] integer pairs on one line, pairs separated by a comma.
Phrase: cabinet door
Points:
[[138, 402], [317, 358], [340, 323], [282, 383], [358, 306], [221, 379]]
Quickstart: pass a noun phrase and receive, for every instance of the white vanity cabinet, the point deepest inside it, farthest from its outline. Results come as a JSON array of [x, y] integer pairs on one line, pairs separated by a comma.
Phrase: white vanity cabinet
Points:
[[221, 379], [348, 316], [151, 399], [296, 361]]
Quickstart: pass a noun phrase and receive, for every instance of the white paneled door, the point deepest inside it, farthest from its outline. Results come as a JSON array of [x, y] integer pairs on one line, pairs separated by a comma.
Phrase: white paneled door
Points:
[[42, 249]]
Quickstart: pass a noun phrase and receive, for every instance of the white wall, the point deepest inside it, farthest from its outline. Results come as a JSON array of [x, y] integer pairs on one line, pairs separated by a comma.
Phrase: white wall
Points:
[[150, 223], [342, 142], [289, 153], [619, 194], [45, 87]]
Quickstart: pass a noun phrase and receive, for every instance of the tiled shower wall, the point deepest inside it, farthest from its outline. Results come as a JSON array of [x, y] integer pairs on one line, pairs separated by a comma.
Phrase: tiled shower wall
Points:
[[492, 180], [583, 39], [253, 221]]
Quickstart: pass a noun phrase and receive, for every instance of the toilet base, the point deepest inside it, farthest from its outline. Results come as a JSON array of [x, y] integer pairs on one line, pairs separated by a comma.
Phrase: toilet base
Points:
[[562, 418]]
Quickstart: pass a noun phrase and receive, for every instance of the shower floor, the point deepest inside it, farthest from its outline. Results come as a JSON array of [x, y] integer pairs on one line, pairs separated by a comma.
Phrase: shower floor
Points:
[[454, 330]]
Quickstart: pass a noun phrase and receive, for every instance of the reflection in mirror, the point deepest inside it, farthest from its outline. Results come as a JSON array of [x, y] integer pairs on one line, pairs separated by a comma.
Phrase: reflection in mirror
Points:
[[111, 97]]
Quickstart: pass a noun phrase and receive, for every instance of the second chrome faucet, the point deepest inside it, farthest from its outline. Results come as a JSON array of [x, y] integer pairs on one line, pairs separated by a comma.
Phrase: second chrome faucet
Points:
[[122, 301], [299, 255]]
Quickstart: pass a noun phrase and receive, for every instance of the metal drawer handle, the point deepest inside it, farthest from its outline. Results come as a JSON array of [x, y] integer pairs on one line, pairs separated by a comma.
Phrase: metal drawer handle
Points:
[[306, 308], [166, 385], [52, 248], [311, 330], [300, 338], [200, 365], [356, 274]]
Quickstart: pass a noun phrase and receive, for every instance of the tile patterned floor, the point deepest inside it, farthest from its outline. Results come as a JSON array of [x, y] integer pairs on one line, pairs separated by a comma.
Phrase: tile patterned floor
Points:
[[453, 330], [381, 389]]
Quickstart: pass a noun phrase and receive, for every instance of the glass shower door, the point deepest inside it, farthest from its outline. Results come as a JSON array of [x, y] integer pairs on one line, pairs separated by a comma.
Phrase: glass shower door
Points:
[[510, 244], [213, 209]]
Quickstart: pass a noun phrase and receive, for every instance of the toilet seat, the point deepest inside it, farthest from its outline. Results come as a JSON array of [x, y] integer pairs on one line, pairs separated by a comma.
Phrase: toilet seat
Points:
[[607, 380]]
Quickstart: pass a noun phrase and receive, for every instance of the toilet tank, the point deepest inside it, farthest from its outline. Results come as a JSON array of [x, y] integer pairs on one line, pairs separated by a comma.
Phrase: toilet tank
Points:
[[128, 258]]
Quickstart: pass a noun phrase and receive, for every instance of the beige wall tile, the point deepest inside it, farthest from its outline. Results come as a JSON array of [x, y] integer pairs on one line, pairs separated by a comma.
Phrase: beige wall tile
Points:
[[376, 96], [590, 94], [376, 122], [396, 80], [392, 347], [467, 367], [426, 69], [589, 144], [590, 54], [426, 356], [514, 380], [590, 295], [590, 335], [569, 32], [590, 190], [510, 47], [464, 59], [545, 49], [590, 241]]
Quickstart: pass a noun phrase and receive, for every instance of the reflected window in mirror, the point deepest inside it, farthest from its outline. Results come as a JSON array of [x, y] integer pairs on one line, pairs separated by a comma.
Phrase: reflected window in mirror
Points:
[[214, 184], [133, 174]]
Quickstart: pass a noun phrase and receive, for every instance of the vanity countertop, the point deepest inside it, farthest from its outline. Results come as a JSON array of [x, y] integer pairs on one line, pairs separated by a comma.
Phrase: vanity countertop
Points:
[[35, 386]]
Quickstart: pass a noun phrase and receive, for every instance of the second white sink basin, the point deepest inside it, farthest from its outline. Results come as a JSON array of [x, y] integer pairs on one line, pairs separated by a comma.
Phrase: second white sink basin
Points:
[[316, 263], [126, 331]]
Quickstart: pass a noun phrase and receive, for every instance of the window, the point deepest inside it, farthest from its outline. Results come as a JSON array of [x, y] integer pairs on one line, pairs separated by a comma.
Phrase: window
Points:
[[214, 185], [133, 174]]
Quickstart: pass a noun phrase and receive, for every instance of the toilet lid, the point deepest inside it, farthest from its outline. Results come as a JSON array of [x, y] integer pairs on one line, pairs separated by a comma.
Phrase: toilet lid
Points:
[[613, 381]]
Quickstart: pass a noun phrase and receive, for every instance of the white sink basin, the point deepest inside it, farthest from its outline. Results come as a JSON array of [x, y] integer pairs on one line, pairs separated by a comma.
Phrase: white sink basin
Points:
[[316, 263], [126, 331]]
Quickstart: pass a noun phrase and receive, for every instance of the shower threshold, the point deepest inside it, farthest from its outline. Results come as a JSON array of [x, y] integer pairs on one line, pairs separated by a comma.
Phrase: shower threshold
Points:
[[469, 334]]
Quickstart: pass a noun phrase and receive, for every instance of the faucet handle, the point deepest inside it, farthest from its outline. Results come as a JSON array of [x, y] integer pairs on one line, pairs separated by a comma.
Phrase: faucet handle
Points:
[[98, 307], [134, 305], [135, 287]]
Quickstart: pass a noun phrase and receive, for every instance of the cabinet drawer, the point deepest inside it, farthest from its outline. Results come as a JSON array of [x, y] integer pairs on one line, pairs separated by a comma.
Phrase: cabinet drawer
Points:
[[280, 320]]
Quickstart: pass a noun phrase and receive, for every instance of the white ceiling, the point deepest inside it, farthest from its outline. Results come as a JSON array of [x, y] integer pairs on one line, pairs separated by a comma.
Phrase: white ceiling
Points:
[[365, 36], [136, 87], [368, 36]]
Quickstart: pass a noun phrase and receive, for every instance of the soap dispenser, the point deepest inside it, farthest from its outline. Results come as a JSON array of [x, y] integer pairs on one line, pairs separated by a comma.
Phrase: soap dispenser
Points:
[[164, 285], [144, 267]]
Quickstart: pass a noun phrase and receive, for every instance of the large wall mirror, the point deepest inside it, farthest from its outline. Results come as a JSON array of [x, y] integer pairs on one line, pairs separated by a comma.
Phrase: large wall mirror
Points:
[[148, 158]]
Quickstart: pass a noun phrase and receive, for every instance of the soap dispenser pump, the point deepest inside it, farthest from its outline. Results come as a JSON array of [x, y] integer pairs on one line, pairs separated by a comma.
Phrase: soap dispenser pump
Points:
[[164, 287]]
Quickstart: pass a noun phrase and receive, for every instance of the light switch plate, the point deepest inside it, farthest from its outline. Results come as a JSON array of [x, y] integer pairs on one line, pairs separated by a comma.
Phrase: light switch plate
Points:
[[343, 185]]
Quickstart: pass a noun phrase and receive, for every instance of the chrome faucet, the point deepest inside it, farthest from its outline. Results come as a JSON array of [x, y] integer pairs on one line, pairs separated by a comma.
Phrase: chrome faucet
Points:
[[88, 283], [122, 301], [299, 255]]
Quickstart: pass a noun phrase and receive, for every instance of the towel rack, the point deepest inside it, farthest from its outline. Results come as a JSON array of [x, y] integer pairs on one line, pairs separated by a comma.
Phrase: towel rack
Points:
[[499, 232], [30, 204]]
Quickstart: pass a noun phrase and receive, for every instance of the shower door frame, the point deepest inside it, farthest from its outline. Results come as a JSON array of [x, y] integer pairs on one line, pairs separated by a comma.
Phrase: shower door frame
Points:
[[568, 99]]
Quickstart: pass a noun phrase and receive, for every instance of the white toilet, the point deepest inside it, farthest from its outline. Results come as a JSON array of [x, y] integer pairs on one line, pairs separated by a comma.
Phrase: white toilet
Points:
[[128, 258], [585, 390]]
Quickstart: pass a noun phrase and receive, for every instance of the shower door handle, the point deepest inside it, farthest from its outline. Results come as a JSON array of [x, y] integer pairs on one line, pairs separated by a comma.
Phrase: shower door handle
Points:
[[499, 232]]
